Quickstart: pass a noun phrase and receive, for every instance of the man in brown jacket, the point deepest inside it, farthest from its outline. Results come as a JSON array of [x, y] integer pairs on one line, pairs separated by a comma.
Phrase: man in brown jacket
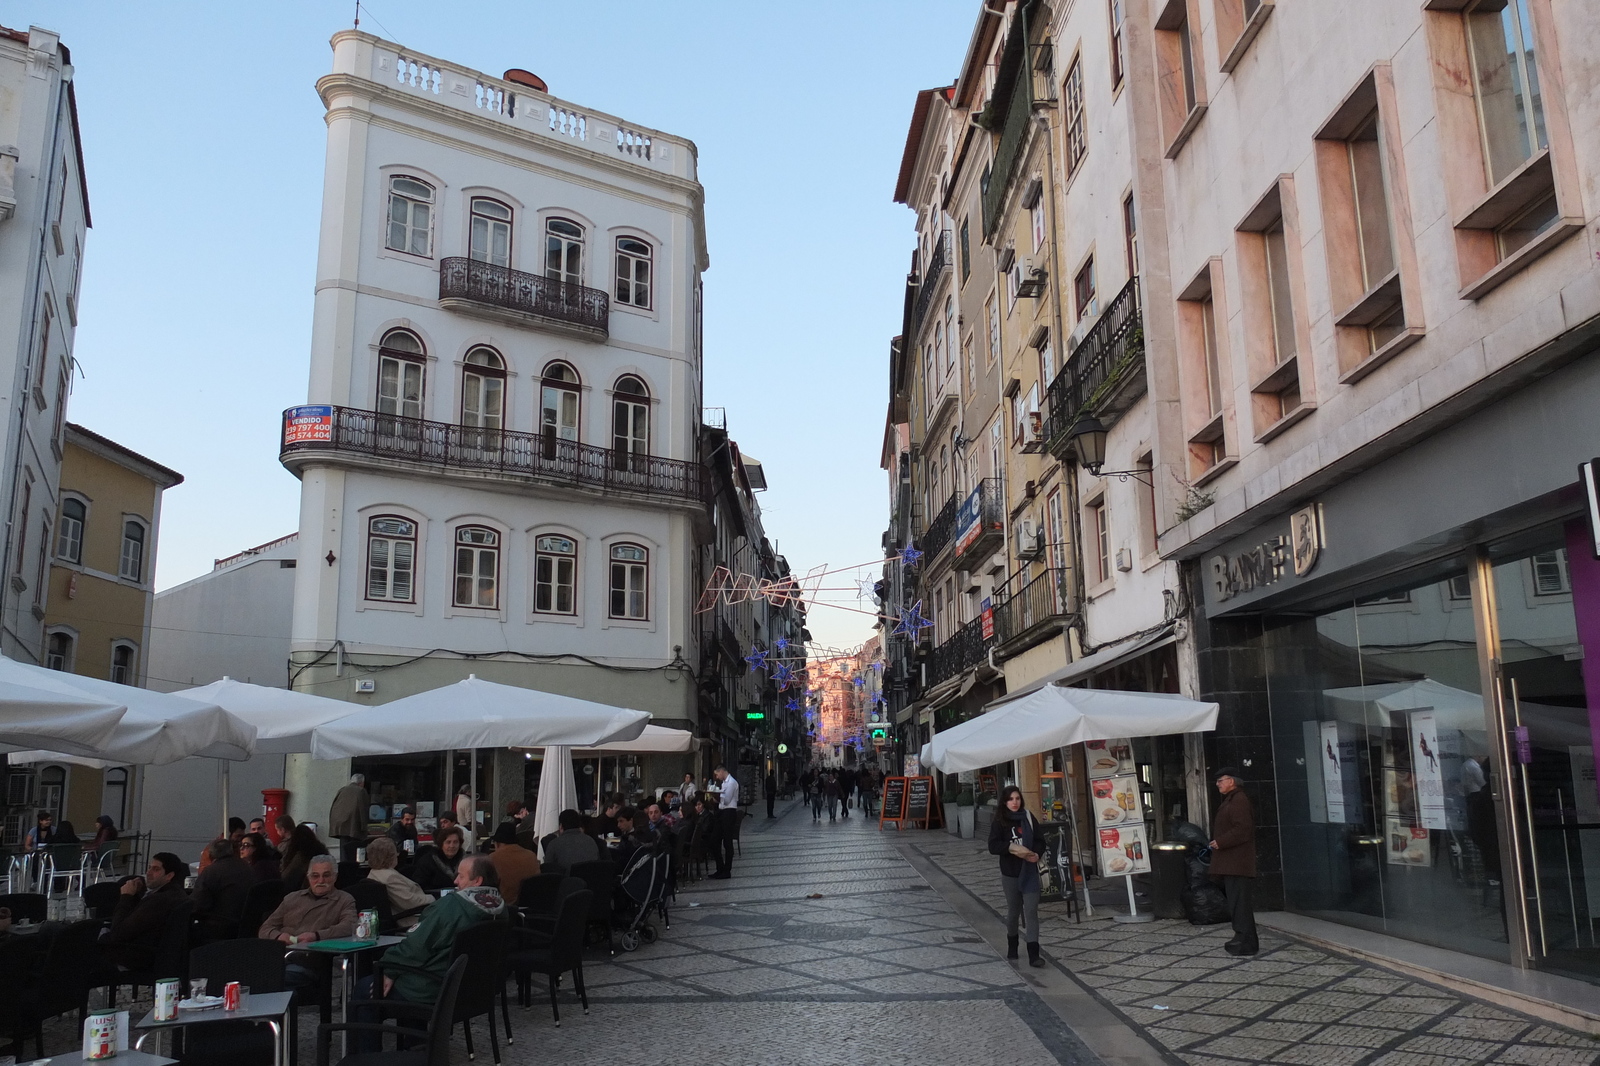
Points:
[[1233, 858], [317, 912]]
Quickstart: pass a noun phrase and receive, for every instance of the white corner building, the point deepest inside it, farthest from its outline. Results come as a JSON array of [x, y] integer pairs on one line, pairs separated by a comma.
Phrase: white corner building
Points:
[[498, 453]]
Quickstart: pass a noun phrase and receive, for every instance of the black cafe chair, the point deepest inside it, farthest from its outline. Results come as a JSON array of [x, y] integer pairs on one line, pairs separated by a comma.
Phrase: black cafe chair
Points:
[[435, 1049], [256, 964], [26, 906], [600, 877], [484, 946], [563, 954]]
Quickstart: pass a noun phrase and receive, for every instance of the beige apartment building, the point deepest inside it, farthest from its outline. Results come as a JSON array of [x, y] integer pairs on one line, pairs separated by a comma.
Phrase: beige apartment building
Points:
[[1320, 283]]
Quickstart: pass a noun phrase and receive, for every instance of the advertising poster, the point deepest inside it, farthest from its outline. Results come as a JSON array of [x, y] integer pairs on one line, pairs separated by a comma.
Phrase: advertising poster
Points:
[[1427, 766], [1335, 758], [967, 527], [303, 425], [1055, 875], [1123, 850], [1405, 846], [1316, 789], [1108, 758], [913, 766], [1116, 800]]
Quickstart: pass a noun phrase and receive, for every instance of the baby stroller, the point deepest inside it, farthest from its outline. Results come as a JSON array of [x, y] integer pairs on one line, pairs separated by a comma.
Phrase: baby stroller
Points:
[[644, 888]]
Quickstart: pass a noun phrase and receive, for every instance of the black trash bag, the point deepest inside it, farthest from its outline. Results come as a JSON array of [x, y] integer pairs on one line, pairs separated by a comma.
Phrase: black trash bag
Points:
[[1205, 904], [1188, 833]]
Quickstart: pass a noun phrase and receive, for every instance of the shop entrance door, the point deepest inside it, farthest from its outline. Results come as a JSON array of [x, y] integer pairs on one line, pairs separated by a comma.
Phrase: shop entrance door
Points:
[[1548, 797]]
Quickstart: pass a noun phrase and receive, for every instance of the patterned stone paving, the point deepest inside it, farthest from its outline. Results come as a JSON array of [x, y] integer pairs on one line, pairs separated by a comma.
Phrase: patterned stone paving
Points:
[[1290, 1004]]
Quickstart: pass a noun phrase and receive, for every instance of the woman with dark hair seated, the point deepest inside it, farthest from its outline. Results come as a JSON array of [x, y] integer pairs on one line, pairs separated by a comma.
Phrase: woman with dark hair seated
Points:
[[260, 856], [437, 863], [105, 830], [302, 846]]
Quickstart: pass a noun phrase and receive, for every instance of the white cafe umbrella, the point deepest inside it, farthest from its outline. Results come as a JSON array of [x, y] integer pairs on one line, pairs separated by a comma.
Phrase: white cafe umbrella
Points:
[[558, 791], [1056, 716], [655, 740], [157, 728], [39, 718], [283, 718], [475, 714]]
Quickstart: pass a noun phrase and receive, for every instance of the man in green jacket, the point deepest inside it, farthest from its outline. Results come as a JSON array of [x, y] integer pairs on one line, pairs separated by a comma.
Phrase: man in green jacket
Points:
[[415, 970]]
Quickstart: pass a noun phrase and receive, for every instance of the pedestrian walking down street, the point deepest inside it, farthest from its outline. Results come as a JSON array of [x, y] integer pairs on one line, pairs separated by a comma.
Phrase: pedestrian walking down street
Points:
[[814, 796], [770, 786], [847, 783], [1011, 836], [1233, 859], [830, 790], [728, 818]]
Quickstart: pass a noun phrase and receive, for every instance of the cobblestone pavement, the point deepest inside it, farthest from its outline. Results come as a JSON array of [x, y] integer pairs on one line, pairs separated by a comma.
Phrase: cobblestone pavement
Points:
[[879, 968], [1289, 1004]]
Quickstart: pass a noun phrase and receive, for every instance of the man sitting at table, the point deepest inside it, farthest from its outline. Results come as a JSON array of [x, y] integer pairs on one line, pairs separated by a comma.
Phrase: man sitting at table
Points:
[[220, 890], [569, 846], [143, 907], [512, 862], [404, 834], [414, 970], [317, 912]]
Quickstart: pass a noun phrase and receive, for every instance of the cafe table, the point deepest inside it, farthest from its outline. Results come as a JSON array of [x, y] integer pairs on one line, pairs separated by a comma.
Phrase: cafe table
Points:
[[346, 951], [123, 1058], [267, 1008]]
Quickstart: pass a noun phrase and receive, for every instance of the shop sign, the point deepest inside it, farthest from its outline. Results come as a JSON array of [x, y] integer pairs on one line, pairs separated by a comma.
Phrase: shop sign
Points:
[[1231, 574], [967, 525], [308, 425]]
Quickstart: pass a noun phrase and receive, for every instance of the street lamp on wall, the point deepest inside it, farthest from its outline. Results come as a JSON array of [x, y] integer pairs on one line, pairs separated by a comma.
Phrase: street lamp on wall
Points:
[[1089, 444]]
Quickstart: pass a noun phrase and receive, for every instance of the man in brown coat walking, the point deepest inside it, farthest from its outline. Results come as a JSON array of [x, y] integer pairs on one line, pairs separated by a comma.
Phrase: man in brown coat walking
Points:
[[1233, 859]]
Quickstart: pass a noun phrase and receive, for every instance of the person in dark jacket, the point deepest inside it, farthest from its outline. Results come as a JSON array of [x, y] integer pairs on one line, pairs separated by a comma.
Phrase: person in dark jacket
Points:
[[143, 907], [1013, 835], [1233, 859], [220, 891], [436, 864], [261, 857], [302, 846], [770, 787], [403, 831]]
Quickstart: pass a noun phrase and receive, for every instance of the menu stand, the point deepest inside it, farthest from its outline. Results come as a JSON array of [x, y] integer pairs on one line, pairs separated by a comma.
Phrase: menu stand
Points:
[[1133, 916]]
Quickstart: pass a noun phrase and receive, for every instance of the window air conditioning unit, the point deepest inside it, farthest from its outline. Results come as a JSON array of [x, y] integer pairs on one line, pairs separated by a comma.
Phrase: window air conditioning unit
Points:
[[1032, 282], [1030, 539]]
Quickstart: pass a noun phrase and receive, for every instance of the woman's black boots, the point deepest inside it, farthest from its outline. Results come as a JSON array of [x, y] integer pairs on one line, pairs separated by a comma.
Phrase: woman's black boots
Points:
[[1033, 954], [1011, 947]]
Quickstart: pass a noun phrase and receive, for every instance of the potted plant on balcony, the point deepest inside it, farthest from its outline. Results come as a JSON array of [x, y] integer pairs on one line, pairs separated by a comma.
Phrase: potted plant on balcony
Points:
[[966, 813]]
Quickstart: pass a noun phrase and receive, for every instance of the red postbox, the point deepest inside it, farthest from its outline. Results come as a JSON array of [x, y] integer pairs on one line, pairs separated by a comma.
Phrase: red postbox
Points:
[[274, 801]]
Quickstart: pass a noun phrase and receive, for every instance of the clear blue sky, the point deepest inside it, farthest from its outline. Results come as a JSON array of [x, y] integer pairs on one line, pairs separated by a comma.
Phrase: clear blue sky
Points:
[[204, 143]]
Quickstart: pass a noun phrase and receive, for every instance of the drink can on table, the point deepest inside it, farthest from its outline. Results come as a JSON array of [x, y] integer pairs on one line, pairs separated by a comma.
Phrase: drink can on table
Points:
[[230, 996], [367, 925], [166, 999], [102, 1042]]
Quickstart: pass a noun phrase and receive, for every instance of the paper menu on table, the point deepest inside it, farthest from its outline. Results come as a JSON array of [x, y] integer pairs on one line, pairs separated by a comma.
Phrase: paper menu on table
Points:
[[1123, 850], [1116, 800], [1108, 758]]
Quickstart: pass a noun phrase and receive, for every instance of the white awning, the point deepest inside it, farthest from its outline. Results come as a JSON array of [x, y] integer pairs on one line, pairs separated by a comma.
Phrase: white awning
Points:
[[1056, 716], [655, 740], [1103, 659]]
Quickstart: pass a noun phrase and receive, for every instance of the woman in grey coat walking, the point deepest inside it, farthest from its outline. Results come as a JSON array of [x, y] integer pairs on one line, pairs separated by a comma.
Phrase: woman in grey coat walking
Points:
[[1012, 836]]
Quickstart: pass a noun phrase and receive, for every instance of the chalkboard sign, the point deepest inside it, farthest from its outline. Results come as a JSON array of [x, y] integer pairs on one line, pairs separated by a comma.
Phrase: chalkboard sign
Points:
[[894, 801], [919, 791]]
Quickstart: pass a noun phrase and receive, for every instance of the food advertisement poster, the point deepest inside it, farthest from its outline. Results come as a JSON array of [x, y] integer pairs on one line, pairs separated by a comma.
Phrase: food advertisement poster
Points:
[[1405, 846], [1108, 758], [1116, 800], [1123, 850], [1427, 763]]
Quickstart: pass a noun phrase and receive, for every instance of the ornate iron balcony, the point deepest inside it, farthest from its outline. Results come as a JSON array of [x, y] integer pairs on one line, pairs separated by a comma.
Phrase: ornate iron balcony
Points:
[[1104, 374], [938, 262], [1041, 601], [937, 535], [965, 649], [525, 299], [347, 432]]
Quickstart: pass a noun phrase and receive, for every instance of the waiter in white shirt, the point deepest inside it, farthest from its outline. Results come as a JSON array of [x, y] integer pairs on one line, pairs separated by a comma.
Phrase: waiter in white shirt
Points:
[[728, 812]]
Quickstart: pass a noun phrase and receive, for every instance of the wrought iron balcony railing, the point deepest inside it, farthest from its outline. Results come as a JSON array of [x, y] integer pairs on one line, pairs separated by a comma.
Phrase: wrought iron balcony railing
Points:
[[937, 535], [965, 649], [938, 262], [1096, 371], [353, 432], [980, 520], [1037, 603], [469, 285]]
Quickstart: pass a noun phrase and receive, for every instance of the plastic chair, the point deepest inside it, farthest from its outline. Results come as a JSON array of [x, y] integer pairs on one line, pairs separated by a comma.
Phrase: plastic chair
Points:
[[436, 1038], [564, 954], [600, 877], [484, 946]]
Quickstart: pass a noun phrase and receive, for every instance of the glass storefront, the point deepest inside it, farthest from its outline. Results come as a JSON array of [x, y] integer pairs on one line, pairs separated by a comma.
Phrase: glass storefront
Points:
[[1393, 788]]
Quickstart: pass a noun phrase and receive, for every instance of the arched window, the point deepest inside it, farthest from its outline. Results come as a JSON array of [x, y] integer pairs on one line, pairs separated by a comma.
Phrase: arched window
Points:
[[483, 398], [52, 790], [131, 565], [563, 251], [477, 567], [123, 662], [630, 423], [58, 652], [400, 374], [410, 215], [555, 575], [491, 232], [630, 581], [633, 272], [69, 541], [391, 559], [558, 405]]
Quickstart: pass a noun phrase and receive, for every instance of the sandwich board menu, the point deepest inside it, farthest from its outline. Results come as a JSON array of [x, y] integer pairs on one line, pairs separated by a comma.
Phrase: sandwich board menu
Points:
[[893, 807], [910, 799], [1118, 814]]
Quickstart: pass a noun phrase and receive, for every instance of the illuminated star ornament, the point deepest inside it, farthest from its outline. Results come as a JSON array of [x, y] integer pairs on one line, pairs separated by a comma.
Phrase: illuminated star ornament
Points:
[[793, 705], [859, 681], [783, 675], [909, 555], [877, 697], [758, 658], [782, 645], [911, 622]]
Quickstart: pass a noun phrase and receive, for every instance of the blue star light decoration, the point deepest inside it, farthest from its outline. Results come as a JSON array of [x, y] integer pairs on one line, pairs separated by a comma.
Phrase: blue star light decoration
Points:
[[782, 645], [793, 705], [859, 682], [909, 555], [877, 697], [758, 659], [910, 623], [783, 675]]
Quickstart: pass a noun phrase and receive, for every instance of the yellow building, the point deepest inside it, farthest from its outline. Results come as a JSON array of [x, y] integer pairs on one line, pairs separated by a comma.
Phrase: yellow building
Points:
[[97, 615]]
